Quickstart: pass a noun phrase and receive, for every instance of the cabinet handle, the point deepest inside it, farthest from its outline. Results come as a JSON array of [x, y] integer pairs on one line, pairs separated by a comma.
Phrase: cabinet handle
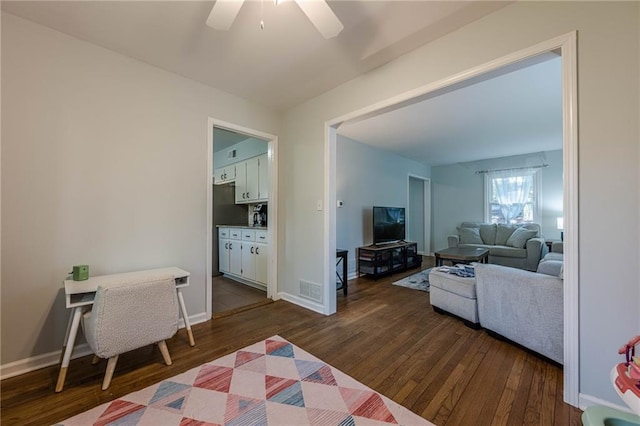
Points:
[[226, 246], [243, 195], [251, 250], [257, 250], [247, 195], [230, 246]]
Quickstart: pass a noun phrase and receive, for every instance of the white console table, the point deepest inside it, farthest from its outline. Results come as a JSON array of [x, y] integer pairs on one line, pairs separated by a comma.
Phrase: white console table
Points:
[[80, 294]]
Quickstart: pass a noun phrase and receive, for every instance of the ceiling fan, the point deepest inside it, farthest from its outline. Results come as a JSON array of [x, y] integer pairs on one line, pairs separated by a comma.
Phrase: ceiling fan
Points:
[[224, 12]]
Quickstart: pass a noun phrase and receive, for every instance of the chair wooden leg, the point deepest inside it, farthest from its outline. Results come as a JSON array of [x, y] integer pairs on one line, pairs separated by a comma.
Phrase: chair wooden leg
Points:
[[165, 352], [95, 360], [111, 366]]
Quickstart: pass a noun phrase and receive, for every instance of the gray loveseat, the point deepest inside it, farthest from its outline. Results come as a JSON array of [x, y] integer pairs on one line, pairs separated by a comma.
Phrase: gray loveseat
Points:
[[517, 246], [525, 307]]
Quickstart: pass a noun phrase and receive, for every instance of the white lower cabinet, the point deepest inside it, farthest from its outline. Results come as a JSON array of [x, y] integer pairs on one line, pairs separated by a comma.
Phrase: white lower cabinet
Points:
[[262, 251], [223, 255], [235, 257], [241, 256]]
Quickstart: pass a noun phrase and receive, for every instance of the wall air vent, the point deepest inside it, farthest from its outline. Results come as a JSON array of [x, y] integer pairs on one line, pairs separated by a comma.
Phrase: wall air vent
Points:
[[311, 291]]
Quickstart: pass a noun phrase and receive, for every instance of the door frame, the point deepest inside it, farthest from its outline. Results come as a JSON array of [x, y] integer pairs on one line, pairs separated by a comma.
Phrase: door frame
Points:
[[272, 207], [566, 45], [426, 185]]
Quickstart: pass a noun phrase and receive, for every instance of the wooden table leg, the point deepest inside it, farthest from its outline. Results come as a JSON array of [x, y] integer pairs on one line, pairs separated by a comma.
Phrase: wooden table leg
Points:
[[185, 317], [68, 347]]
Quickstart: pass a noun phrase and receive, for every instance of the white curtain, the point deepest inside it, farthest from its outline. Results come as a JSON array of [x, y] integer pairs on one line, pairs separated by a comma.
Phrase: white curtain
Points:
[[512, 189]]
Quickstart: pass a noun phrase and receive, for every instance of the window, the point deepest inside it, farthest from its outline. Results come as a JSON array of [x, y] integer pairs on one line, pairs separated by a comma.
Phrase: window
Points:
[[512, 196]]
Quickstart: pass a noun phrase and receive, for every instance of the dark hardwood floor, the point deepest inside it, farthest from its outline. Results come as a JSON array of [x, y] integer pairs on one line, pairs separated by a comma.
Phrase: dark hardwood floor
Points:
[[385, 336], [231, 296]]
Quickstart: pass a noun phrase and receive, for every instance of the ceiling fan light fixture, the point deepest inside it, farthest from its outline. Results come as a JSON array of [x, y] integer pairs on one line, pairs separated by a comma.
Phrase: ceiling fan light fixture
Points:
[[224, 12]]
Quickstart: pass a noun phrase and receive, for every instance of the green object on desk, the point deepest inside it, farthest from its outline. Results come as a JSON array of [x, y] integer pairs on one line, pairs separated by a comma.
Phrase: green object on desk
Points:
[[80, 272]]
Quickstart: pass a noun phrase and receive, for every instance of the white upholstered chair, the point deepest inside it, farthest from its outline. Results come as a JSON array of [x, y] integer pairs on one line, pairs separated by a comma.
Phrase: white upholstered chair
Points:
[[130, 315]]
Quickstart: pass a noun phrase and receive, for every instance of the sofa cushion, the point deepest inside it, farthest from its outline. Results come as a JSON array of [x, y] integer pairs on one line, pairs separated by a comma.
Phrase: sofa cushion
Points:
[[469, 236], [520, 237], [550, 267], [503, 232], [488, 233], [506, 251], [461, 286]]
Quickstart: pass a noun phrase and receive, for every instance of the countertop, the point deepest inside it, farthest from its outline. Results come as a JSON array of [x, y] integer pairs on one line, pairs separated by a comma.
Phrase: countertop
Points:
[[260, 228]]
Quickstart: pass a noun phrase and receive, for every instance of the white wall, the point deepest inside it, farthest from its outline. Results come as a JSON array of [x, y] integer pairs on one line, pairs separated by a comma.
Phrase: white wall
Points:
[[458, 196], [245, 149], [104, 162], [608, 66], [365, 177]]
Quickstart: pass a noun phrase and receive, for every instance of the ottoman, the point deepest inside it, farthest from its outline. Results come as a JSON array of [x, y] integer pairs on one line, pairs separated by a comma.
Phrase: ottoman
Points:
[[455, 295]]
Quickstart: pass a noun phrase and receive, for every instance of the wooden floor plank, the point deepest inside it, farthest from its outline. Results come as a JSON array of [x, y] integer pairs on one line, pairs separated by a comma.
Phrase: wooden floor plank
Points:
[[385, 336]]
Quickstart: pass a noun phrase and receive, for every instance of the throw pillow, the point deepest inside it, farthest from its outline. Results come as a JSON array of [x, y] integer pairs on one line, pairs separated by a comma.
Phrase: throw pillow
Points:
[[520, 237], [503, 232], [469, 236], [488, 234]]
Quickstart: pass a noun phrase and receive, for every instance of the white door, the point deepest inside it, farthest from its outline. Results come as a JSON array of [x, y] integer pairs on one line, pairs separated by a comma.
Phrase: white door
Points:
[[248, 261], [223, 255], [261, 253], [263, 177], [252, 179], [235, 257]]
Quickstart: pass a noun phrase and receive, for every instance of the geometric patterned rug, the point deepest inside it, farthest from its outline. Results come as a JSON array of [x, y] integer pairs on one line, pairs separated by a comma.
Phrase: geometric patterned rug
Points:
[[419, 281], [272, 382]]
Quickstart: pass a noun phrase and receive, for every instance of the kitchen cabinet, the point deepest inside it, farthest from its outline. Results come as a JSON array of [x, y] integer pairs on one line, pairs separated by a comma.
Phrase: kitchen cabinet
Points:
[[243, 254], [263, 177], [261, 254], [229, 251], [224, 174], [249, 174], [223, 258]]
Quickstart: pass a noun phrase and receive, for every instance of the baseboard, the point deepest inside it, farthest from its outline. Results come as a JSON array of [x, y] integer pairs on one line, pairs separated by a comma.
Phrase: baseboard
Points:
[[296, 300], [194, 319], [586, 401], [37, 362]]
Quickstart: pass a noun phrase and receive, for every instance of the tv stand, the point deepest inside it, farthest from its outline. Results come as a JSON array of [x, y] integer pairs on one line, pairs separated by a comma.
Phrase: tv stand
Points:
[[386, 259]]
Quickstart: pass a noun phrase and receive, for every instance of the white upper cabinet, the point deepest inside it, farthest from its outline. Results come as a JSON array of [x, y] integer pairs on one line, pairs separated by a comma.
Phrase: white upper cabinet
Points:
[[252, 180], [263, 177], [224, 174]]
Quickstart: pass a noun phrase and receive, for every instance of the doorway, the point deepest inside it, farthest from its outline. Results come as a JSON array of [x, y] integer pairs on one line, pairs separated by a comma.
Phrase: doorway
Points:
[[564, 46], [241, 246], [419, 213]]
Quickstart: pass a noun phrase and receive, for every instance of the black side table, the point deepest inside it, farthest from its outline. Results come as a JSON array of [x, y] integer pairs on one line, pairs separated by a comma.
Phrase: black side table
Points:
[[341, 256]]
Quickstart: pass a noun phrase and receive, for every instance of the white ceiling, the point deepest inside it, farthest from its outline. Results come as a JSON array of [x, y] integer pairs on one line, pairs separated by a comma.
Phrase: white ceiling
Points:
[[513, 113], [289, 62], [281, 66]]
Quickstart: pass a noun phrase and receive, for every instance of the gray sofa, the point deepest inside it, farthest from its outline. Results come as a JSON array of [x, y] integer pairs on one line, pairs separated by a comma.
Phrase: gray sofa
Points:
[[517, 246], [525, 307]]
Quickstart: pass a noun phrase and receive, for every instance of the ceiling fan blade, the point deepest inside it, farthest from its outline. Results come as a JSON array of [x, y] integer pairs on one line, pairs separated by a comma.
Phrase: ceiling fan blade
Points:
[[321, 15], [223, 14]]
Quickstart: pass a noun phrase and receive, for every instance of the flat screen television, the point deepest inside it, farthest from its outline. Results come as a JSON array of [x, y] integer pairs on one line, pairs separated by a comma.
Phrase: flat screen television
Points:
[[388, 224]]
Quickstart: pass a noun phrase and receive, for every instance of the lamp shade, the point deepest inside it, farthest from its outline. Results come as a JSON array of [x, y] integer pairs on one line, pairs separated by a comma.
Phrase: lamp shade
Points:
[[560, 223]]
